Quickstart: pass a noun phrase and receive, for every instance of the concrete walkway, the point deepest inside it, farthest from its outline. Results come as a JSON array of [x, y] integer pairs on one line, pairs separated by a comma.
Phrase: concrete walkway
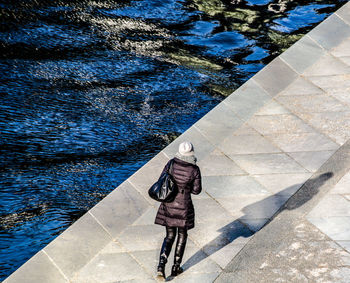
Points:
[[270, 142], [308, 241]]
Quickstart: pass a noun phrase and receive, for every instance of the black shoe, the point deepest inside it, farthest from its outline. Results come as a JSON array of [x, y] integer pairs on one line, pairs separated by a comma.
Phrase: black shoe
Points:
[[161, 272], [176, 270]]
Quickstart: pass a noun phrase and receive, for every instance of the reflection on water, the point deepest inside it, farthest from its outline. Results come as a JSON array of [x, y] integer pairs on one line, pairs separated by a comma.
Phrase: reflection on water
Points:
[[91, 90]]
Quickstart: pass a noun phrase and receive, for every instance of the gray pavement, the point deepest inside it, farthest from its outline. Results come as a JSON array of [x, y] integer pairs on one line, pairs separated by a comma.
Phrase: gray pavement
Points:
[[307, 241], [275, 204]]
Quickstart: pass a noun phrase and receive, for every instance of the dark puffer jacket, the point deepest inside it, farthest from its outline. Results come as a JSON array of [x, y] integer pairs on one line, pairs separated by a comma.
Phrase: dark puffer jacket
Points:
[[180, 212]]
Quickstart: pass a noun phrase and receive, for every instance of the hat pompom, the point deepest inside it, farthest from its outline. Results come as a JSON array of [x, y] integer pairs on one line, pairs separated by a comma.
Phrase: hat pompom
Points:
[[186, 148]]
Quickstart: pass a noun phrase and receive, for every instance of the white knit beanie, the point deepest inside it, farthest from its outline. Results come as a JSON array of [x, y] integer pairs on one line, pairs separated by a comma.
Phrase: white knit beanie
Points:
[[186, 148]]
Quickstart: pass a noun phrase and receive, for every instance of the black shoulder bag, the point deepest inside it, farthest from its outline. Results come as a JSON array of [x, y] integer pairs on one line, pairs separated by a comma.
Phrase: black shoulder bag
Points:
[[165, 189]]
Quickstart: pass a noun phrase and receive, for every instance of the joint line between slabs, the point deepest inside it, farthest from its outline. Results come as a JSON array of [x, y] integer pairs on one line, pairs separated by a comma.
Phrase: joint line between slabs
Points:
[[340, 17], [98, 222], [54, 263]]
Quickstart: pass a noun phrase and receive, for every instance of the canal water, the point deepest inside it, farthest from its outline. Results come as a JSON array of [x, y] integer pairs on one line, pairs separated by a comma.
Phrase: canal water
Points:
[[90, 90]]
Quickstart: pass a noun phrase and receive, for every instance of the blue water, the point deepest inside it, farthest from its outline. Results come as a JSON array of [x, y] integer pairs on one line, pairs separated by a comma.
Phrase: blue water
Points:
[[91, 90]]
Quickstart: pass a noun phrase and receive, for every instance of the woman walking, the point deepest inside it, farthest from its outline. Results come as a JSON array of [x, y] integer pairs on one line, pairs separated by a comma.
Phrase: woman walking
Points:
[[178, 216]]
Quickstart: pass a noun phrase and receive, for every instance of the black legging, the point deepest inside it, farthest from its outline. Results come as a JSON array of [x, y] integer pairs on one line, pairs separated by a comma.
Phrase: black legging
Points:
[[180, 244]]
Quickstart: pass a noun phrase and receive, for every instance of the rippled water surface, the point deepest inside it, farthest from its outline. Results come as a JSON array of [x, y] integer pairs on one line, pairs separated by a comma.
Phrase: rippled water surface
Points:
[[91, 90]]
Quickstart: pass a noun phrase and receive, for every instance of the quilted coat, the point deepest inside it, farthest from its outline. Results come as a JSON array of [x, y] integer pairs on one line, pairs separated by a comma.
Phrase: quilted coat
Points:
[[180, 212]]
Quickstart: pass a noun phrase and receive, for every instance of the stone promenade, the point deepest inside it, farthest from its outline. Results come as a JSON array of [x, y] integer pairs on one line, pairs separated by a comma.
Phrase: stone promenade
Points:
[[275, 206]]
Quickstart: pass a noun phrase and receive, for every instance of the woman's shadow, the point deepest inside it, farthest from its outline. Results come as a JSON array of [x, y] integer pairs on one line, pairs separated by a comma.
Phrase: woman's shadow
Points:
[[239, 228]]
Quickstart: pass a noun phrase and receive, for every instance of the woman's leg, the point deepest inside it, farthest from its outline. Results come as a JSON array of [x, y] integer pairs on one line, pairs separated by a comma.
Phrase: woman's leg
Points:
[[179, 251], [166, 249]]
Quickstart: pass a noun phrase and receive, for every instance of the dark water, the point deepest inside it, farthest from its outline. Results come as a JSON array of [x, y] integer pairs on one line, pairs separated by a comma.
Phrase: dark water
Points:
[[91, 90]]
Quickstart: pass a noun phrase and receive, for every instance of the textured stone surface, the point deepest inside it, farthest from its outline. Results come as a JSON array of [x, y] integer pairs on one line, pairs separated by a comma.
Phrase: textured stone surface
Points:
[[141, 237], [344, 13], [218, 123], [311, 160], [327, 66], [314, 103], [336, 125], [268, 163], [272, 108], [302, 86], [249, 98], [283, 184], [275, 77], [336, 82], [331, 32], [125, 204], [303, 142], [208, 210], [112, 267], [219, 165], [39, 269], [247, 144], [78, 244], [232, 186], [343, 186], [279, 124], [202, 145], [303, 54]]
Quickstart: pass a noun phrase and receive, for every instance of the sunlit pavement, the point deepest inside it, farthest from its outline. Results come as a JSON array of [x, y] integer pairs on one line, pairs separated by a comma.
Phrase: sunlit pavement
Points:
[[276, 151]]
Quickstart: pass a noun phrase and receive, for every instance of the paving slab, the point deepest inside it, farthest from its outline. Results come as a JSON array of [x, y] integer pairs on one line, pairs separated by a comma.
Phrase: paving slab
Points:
[[328, 65], [282, 184], [247, 144], [197, 277], [344, 13], [245, 129], [218, 123], [345, 245], [147, 218], [275, 77], [337, 228], [125, 204], [311, 160], [342, 49], [302, 86], [202, 145], [314, 103], [112, 267], [295, 247], [276, 163], [331, 205], [232, 186], [75, 247], [336, 125], [338, 82], [220, 233], [279, 124], [303, 54], [345, 59], [304, 142], [219, 165], [272, 108], [341, 94], [39, 269], [331, 32], [343, 186], [141, 237], [208, 210], [248, 99]]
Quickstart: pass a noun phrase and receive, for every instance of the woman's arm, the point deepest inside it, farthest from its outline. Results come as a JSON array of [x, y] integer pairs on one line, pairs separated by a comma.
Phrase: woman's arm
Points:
[[197, 183]]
